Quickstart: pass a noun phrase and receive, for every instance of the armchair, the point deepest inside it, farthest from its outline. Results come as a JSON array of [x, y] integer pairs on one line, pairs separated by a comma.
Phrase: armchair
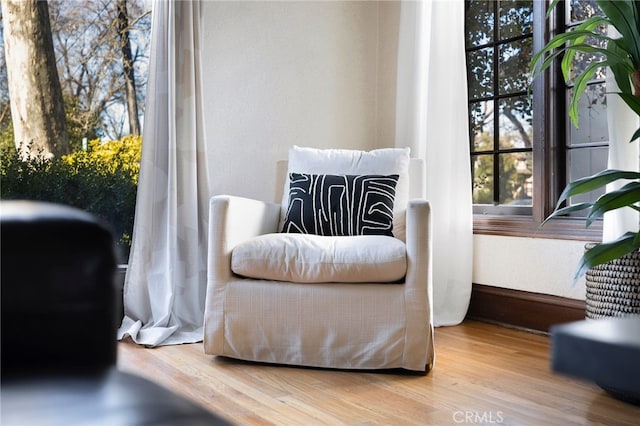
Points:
[[363, 302]]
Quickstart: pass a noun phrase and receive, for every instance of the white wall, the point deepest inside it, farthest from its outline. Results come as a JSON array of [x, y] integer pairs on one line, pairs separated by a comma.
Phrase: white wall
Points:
[[538, 265], [285, 73], [323, 74]]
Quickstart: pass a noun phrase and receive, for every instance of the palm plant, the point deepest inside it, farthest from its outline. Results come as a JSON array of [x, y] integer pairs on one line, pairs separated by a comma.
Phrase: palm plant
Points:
[[622, 56]]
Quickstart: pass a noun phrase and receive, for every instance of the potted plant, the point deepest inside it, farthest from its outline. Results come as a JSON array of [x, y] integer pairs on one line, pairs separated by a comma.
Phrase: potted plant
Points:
[[622, 56], [612, 268]]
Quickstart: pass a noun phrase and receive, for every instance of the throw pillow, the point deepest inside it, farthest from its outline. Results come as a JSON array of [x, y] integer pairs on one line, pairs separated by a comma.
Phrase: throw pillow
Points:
[[340, 205], [385, 161]]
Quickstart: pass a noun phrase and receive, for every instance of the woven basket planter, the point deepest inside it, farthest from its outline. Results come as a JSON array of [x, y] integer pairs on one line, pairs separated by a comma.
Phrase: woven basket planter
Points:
[[613, 289]]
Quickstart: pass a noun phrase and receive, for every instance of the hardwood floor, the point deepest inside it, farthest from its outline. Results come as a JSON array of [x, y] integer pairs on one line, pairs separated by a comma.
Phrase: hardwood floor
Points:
[[484, 374]]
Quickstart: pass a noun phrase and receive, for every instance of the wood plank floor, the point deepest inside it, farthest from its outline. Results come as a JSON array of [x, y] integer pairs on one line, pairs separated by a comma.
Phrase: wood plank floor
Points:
[[484, 374]]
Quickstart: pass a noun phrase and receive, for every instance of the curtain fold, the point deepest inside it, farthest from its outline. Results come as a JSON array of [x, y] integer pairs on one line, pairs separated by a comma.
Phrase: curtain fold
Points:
[[165, 284], [432, 119]]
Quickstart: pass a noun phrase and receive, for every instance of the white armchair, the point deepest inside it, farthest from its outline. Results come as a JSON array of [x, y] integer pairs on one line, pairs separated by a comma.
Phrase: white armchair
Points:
[[271, 312]]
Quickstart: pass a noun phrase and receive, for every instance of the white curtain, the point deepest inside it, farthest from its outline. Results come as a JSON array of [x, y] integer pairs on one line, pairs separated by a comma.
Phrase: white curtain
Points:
[[431, 118], [165, 283]]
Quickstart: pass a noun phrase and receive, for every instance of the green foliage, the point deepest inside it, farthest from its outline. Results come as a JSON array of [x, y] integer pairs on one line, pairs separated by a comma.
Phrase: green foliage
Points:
[[510, 184], [102, 180], [6, 136], [121, 156], [80, 123]]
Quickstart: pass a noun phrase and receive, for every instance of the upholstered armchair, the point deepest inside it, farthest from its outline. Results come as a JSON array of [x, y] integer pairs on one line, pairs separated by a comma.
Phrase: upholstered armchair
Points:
[[357, 296]]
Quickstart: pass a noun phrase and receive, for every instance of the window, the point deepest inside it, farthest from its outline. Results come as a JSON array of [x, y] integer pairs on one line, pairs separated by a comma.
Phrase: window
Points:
[[100, 50], [523, 148], [499, 47]]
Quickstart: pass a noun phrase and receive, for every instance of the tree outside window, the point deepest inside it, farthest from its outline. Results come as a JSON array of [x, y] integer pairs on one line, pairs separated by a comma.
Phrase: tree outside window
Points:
[[95, 53]]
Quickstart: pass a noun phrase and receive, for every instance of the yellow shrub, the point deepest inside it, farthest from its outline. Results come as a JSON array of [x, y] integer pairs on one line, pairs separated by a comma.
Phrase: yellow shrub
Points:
[[109, 157]]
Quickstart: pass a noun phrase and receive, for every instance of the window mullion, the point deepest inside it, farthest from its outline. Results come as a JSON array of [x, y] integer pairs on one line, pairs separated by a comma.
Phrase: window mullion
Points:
[[496, 104]]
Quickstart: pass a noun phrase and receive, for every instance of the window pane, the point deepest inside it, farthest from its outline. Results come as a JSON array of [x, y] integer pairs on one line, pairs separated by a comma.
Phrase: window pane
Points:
[[516, 179], [592, 116], [515, 123], [585, 162], [581, 10], [516, 18], [482, 179], [479, 23], [480, 72], [514, 66], [481, 121]]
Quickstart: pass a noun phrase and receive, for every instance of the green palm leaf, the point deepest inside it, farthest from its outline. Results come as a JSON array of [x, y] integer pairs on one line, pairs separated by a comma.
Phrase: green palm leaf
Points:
[[626, 196], [622, 15], [591, 183], [550, 8], [606, 252], [579, 35], [566, 210], [620, 69], [580, 85], [560, 41]]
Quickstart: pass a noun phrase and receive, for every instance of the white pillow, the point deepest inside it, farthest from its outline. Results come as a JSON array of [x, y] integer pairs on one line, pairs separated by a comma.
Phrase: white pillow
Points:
[[385, 161], [307, 258]]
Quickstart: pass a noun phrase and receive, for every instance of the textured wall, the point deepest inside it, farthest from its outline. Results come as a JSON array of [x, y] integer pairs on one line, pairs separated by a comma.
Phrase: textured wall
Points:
[[539, 265], [285, 73]]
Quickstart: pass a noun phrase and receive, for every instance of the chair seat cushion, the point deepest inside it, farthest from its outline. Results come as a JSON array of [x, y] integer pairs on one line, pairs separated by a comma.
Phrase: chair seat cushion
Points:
[[316, 259]]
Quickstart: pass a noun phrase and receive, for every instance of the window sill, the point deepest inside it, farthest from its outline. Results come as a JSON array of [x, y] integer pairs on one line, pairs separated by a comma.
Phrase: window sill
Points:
[[518, 226]]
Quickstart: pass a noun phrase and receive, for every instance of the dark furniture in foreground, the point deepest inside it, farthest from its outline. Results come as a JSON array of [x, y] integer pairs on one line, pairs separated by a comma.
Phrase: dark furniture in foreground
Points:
[[605, 351], [59, 323]]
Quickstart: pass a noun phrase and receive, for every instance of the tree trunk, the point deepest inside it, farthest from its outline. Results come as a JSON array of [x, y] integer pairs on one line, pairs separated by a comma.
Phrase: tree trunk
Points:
[[37, 107], [635, 78], [127, 64]]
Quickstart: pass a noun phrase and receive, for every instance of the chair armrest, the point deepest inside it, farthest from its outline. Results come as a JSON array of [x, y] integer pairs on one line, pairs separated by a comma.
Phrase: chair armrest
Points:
[[419, 244], [233, 220], [418, 289]]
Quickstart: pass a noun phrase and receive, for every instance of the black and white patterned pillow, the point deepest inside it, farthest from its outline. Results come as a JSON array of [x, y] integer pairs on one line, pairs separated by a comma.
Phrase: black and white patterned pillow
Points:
[[340, 205]]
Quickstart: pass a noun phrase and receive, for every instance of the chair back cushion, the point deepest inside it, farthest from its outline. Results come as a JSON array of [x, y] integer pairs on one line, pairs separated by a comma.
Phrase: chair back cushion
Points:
[[304, 258], [386, 161]]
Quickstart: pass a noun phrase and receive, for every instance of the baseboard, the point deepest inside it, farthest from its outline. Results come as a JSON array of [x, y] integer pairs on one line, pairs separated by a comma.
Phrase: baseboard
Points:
[[522, 309]]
